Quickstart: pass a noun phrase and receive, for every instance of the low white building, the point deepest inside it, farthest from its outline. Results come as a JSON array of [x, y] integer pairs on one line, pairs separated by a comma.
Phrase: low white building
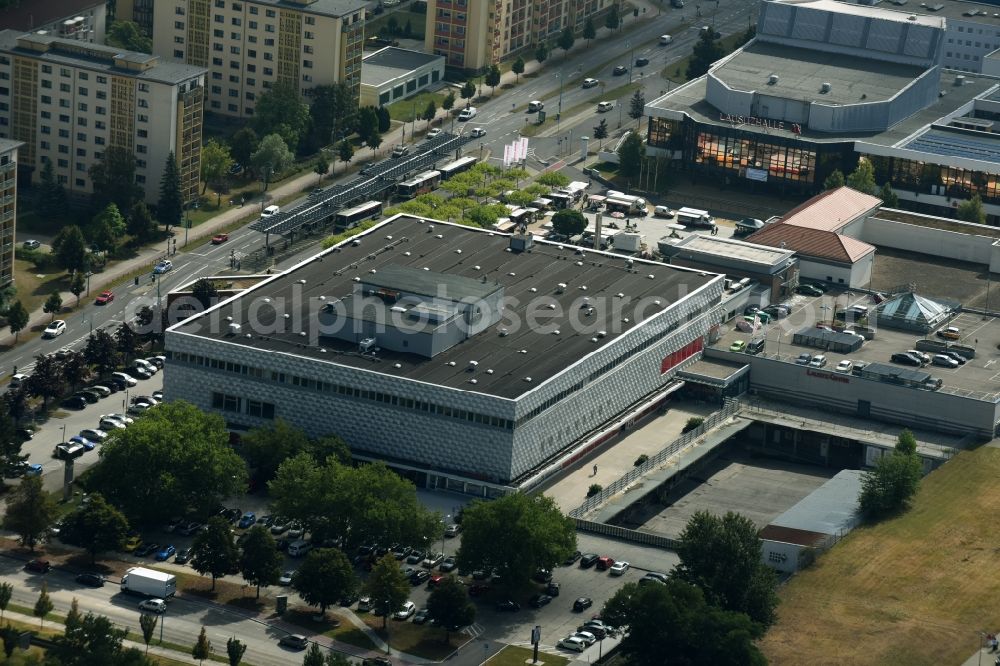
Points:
[[391, 74]]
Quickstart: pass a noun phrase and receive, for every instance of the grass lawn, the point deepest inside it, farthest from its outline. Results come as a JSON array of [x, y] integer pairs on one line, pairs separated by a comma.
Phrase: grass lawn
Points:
[[912, 590], [416, 20], [517, 656], [420, 640], [404, 109], [33, 288], [332, 626]]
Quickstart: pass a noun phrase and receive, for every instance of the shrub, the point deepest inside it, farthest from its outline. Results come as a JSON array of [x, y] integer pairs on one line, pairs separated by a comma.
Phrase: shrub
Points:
[[594, 489], [641, 460], [692, 424]]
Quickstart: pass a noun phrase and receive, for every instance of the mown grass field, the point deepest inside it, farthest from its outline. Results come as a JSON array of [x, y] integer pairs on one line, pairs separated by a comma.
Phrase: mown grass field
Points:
[[913, 590]]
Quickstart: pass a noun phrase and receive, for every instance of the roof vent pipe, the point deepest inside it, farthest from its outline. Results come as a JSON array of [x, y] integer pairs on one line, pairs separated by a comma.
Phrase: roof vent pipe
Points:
[[772, 79], [825, 87]]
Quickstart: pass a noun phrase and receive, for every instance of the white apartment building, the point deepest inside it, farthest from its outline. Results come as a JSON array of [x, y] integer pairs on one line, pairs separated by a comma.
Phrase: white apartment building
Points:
[[249, 45], [68, 101]]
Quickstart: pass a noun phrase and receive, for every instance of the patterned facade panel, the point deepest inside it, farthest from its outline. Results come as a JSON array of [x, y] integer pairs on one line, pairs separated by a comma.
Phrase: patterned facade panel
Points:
[[885, 36], [848, 30], [810, 25], [921, 41]]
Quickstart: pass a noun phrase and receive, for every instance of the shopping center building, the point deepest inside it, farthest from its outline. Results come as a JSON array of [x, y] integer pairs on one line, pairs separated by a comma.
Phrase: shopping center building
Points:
[[824, 83], [464, 358]]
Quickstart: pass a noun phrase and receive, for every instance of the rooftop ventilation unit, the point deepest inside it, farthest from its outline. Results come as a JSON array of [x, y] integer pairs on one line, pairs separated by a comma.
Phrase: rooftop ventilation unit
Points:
[[473, 365], [825, 87], [772, 80], [367, 345], [234, 329]]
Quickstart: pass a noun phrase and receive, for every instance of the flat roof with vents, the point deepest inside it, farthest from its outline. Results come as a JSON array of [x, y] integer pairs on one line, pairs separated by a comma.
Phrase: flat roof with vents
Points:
[[548, 274]]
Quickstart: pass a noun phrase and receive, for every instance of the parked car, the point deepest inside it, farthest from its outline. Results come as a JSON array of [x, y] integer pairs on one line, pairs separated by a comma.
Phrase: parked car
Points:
[[950, 333], [421, 616], [432, 560], [419, 576], [956, 356], [82, 441], [582, 604], [31, 245], [406, 612], [104, 298], [818, 361], [508, 606], [587, 637], [539, 600], [218, 239], [588, 560], [165, 553], [844, 366], [56, 328], [364, 604], [158, 606], [619, 568], [38, 566], [905, 359], [572, 558], [605, 562], [449, 564], [738, 346], [286, 577], [74, 402], [926, 358], [573, 643], [663, 211], [247, 520], [295, 641], [184, 556], [808, 290], [944, 361], [128, 380]]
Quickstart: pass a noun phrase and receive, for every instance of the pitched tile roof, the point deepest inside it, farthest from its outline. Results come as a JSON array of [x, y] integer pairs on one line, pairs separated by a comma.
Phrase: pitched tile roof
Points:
[[809, 242], [833, 209]]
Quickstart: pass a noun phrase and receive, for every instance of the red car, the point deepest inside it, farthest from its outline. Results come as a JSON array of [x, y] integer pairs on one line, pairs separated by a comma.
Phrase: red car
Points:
[[604, 563], [219, 238], [105, 298]]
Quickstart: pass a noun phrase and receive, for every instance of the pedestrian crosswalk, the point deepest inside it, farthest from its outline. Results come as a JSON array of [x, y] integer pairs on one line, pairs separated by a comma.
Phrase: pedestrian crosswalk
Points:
[[473, 630]]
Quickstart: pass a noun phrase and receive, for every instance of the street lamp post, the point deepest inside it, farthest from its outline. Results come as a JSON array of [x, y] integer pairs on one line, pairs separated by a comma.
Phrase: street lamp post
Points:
[[63, 433], [631, 60], [187, 219], [559, 109]]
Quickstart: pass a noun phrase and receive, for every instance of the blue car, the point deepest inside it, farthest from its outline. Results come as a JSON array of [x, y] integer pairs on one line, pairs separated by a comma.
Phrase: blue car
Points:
[[166, 553], [82, 441], [31, 469], [247, 520]]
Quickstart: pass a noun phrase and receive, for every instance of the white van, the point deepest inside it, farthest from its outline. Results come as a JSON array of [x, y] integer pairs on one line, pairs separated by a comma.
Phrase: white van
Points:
[[270, 211], [468, 113], [299, 548], [665, 39]]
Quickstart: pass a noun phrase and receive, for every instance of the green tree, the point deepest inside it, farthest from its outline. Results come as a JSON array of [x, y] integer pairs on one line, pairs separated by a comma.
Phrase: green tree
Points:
[[589, 31], [260, 561], [448, 103], [11, 459], [972, 210], [51, 199], [862, 178], [360, 504], [30, 511], [127, 340], [150, 478], [204, 292], [101, 351], [313, 656], [334, 112], [637, 105], [631, 154], [429, 112], [448, 605], [387, 587], [566, 39], [272, 157], [6, 592], [243, 145], [70, 248], [321, 166], [345, 151], [96, 527], [541, 52], [147, 624], [492, 79], [721, 556], [140, 222], [47, 380], [73, 618], [44, 605], [518, 68], [888, 488], [106, 229], [834, 180], [280, 110], [202, 649], [267, 447], [128, 35], [553, 179], [384, 119], [706, 51], [77, 285], [325, 577], [17, 318], [235, 649], [367, 122], [74, 368], [569, 222], [613, 19], [468, 90], [673, 624], [216, 161], [601, 132], [888, 196], [94, 641], [170, 205], [53, 305], [373, 141], [11, 639], [213, 552], [113, 179], [516, 535]]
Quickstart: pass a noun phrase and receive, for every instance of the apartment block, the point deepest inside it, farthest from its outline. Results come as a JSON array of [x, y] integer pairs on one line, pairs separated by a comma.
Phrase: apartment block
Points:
[[71, 19], [249, 45], [473, 34], [68, 101], [8, 202]]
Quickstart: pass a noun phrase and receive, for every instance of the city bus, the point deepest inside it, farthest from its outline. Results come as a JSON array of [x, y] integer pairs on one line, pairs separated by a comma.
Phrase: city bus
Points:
[[422, 183], [349, 217], [456, 167]]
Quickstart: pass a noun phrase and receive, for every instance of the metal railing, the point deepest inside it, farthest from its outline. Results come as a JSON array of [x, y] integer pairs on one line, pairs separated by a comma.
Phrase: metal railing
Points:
[[731, 407], [626, 534]]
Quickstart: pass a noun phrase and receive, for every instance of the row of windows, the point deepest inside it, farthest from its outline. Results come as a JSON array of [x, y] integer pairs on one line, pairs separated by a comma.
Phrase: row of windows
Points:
[[232, 403], [347, 391], [63, 71], [922, 177]]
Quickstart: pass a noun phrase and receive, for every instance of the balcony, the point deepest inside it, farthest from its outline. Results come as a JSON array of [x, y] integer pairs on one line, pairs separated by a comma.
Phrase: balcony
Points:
[[7, 168]]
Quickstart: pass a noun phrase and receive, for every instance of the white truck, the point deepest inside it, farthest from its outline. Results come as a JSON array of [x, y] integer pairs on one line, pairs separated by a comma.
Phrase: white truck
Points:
[[150, 583]]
